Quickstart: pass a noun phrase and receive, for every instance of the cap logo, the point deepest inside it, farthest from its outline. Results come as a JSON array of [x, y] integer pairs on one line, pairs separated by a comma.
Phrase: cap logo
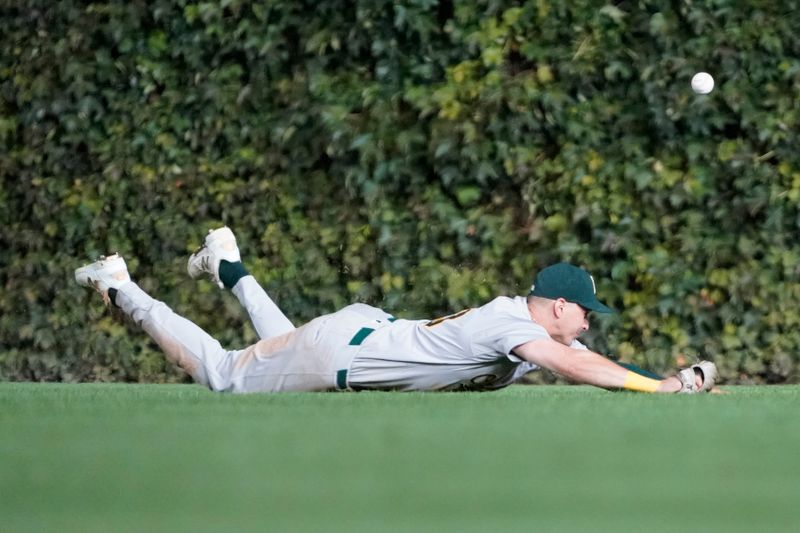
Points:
[[594, 288]]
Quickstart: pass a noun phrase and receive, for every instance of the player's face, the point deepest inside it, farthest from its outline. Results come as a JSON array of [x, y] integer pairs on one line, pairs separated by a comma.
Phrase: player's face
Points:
[[574, 322]]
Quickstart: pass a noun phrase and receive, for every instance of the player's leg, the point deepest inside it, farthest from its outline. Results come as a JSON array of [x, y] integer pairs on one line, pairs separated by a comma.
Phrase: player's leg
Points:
[[267, 318], [183, 342], [219, 259]]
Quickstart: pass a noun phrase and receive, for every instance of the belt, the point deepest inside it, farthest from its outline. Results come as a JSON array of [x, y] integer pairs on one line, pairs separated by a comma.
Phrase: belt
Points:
[[358, 338]]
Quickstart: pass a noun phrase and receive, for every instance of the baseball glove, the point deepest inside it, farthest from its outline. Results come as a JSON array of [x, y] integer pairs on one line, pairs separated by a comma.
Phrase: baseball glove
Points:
[[707, 370]]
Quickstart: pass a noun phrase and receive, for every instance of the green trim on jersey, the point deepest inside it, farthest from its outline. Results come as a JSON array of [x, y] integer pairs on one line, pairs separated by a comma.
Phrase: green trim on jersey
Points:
[[359, 337]]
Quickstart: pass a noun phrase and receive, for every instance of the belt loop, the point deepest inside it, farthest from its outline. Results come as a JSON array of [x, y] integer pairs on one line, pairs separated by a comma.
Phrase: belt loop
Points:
[[341, 379]]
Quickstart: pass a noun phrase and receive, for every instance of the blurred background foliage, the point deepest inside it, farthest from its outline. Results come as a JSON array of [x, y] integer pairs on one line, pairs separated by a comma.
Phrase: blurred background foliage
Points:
[[416, 155]]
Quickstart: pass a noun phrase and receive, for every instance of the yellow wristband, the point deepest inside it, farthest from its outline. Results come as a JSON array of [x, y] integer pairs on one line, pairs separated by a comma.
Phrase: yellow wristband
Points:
[[638, 382]]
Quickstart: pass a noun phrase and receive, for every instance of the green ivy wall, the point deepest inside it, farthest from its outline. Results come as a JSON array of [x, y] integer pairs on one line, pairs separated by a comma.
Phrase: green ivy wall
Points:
[[421, 156]]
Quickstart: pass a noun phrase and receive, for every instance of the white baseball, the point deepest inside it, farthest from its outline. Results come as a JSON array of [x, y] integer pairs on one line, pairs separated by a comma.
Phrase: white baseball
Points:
[[702, 83]]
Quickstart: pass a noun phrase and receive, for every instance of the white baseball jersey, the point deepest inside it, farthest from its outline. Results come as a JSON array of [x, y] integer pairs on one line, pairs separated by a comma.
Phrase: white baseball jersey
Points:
[[470, 350]]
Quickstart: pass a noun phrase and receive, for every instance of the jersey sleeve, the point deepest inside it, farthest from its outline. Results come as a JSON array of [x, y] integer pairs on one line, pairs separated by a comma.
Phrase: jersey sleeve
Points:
[[576, 344], [503, 333]]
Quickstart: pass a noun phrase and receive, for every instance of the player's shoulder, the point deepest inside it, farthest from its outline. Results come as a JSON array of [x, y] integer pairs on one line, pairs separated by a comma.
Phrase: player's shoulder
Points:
[[507, 302], [512, 312], [507, 305]]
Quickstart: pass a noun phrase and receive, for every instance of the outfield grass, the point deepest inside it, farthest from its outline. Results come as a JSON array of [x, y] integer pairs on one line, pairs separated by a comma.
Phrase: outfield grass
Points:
[[179, 458]]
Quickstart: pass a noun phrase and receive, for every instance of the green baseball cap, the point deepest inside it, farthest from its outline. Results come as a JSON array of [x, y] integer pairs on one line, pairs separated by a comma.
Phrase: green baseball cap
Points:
[[572, 283]]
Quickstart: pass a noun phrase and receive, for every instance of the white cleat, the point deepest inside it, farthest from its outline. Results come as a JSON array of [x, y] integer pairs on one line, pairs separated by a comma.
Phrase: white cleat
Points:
[[220, 244], [106, 273]]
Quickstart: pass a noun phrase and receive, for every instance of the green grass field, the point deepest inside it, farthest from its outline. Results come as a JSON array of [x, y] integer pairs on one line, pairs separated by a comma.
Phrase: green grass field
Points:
[[537, 458]]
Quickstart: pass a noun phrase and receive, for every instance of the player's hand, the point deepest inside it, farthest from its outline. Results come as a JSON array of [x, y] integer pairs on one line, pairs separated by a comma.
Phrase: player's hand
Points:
[[698, 378]]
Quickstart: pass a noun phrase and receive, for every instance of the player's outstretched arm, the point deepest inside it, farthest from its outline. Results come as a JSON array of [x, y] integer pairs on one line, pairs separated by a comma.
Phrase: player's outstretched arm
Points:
[[584, 366]]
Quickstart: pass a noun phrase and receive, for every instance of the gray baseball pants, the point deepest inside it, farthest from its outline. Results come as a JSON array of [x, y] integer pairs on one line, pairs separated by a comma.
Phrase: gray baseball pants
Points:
[[312, 357]]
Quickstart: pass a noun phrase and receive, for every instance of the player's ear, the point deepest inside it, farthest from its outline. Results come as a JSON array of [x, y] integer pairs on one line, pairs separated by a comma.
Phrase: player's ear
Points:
[[558, 307]]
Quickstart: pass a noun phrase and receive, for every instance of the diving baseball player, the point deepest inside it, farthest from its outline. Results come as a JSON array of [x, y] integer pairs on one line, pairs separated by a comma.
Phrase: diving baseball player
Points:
[[361, 347]]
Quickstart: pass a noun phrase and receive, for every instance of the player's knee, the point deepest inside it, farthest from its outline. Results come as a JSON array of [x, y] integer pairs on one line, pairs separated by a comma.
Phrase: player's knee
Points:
[[218, 383], [220, 374]]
